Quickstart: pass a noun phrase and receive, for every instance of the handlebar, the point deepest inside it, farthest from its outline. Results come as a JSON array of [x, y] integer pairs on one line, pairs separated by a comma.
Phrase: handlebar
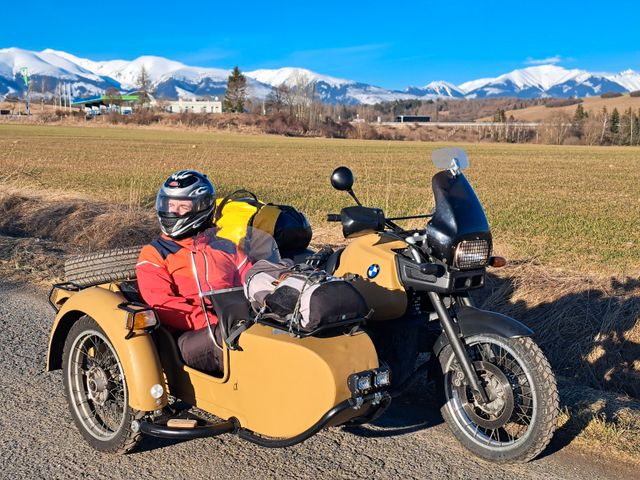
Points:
[[333, 217]]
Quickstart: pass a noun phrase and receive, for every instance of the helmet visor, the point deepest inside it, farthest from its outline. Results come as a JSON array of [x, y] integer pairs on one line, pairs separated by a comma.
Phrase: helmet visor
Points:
[[181, 206]]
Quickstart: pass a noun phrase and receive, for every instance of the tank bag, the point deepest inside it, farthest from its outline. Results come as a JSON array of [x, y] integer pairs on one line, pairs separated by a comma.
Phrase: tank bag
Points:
[[241, 209], [305, 299]]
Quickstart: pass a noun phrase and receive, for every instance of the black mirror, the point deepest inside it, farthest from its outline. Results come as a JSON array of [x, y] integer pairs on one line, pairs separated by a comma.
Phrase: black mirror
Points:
[[342, 179]]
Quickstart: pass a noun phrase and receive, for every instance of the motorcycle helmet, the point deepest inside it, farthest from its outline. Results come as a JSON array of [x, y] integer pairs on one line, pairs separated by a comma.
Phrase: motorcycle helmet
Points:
[[185, 203]]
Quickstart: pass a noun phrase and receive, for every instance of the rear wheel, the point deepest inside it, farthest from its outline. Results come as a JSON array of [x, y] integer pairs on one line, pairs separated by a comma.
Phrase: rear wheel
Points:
[[96, 389], [520, 418]]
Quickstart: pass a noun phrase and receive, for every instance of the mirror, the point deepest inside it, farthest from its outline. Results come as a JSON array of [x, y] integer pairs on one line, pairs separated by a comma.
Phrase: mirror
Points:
[[450, 158], [342, 179]]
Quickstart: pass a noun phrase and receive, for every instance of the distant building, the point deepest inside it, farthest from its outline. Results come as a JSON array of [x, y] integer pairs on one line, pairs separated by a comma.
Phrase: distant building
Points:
[[413, 119], [103, 104], [195, 106]]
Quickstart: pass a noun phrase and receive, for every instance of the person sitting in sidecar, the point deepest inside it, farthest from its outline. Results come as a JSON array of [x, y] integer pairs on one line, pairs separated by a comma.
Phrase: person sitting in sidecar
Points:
[[188, 258]]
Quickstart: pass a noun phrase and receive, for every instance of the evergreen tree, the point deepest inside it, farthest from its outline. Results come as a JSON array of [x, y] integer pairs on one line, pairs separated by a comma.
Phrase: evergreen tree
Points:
[[580, 113], [236, 94], [615, 121]]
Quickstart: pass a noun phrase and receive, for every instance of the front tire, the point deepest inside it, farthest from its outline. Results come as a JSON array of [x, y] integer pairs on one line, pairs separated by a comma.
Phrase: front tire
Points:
[[96, 389], [520, 419]]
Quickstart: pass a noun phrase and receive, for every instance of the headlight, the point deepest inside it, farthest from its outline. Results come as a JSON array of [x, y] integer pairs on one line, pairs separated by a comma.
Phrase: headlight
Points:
[[471, 254]]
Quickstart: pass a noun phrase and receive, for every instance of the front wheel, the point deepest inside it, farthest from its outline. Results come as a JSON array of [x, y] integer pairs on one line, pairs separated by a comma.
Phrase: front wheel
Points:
[[96, 389], [520, 418]]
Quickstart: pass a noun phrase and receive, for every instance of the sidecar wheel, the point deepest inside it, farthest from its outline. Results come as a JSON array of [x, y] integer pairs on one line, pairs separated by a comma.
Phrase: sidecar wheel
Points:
[[96, 389], [520, 419]]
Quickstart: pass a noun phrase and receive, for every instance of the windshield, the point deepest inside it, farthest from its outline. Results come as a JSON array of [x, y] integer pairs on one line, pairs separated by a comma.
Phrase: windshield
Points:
[[448, 158], [256, 244]]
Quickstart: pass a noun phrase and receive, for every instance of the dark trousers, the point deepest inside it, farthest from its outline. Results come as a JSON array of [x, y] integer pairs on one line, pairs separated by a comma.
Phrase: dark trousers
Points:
[[198, 350]]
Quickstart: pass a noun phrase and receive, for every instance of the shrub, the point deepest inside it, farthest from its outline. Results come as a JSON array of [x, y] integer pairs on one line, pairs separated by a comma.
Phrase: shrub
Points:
[[610, 95], [562, 102], [635, 93]]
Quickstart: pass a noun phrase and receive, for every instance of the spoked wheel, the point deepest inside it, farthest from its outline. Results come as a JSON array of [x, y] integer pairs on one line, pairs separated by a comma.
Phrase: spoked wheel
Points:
[[96, 389], [519, 420]]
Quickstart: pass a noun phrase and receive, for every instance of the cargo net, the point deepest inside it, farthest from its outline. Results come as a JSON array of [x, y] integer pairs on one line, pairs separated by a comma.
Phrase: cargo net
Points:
[[472, 254]]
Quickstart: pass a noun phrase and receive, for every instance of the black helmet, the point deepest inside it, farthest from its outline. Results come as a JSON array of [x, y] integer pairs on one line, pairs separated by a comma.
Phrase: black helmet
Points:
[[185, 203]]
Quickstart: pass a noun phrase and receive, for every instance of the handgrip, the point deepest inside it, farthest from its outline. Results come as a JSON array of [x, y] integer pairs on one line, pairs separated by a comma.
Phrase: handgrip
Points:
[[333, 217]]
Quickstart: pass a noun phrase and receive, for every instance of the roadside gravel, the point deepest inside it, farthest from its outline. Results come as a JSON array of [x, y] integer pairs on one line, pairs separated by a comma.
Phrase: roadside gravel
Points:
[[39, 440]]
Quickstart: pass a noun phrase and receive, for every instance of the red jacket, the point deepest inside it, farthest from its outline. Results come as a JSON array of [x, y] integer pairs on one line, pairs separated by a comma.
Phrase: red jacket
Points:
[[167, 282]]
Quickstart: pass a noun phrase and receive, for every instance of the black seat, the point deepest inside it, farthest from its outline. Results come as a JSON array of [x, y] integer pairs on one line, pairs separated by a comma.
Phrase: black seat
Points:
[[297, 256]]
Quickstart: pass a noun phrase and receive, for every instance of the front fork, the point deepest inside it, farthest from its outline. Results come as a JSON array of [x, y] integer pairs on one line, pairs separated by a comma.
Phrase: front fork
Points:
[[456, 343]]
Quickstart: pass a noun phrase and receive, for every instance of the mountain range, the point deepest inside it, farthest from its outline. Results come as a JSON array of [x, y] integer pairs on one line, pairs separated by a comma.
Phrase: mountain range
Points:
[[172, 80]]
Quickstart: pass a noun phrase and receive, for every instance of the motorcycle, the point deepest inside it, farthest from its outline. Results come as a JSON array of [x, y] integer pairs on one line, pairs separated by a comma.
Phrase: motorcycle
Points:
[[500, 394]]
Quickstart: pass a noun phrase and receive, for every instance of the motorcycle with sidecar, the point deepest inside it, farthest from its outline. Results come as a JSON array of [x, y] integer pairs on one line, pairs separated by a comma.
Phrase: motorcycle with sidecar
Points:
[[279, 387]]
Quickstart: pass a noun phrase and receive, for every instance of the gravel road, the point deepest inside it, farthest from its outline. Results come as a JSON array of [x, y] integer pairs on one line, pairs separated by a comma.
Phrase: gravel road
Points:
[[39, 440]]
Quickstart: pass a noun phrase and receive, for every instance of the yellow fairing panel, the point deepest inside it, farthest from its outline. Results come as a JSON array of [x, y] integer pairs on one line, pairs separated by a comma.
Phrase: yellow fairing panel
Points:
[[384, 293], [138, 354], [279, 385]]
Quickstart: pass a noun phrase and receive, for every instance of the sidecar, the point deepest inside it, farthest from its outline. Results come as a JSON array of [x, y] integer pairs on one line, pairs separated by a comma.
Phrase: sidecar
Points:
[[121, 368]]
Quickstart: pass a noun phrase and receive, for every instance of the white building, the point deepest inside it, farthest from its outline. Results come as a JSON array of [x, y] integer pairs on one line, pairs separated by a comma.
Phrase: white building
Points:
[[195, 106]]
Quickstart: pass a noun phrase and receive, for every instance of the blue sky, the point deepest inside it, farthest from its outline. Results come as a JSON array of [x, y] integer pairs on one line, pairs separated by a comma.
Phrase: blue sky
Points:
[[386, 43]]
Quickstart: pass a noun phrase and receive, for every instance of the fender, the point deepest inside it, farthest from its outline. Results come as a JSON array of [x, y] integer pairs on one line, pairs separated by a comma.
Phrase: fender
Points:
[[138, 355], [473, 321]]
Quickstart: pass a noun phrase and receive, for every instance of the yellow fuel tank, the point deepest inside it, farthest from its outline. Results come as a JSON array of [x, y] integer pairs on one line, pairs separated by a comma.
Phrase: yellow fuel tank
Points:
[[372, 258]]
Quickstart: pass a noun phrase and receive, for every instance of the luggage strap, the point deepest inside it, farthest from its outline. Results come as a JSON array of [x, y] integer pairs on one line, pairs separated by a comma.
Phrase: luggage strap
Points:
[[235, 333]]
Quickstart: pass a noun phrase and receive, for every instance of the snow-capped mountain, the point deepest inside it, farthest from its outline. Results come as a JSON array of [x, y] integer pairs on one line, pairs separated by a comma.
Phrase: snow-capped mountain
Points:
[[171, 79], [543, 81], [46, 70], [436, 89], [329, 89]]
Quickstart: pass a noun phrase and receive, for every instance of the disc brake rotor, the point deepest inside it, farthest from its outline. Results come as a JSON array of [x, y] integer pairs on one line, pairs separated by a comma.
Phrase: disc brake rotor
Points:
[[497, 412]]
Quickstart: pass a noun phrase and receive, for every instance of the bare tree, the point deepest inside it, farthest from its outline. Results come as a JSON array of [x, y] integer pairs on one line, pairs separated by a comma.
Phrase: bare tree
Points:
[[143, 83], [280, 99], [557, 128]]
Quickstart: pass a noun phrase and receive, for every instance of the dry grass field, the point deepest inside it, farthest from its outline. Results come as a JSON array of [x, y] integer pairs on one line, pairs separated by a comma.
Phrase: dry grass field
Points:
[[576, 208], [540, 113]]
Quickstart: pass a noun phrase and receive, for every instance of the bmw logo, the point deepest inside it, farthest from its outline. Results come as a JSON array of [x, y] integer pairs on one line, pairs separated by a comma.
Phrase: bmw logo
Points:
[[373, 271]]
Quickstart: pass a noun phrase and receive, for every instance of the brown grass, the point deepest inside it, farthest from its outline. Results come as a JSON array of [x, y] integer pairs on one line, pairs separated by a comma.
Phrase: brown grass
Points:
[[76, 224], [540, 113]]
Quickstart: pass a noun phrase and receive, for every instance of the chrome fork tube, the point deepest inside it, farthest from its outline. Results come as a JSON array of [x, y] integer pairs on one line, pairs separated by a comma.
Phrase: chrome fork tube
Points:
[[457, 346]]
